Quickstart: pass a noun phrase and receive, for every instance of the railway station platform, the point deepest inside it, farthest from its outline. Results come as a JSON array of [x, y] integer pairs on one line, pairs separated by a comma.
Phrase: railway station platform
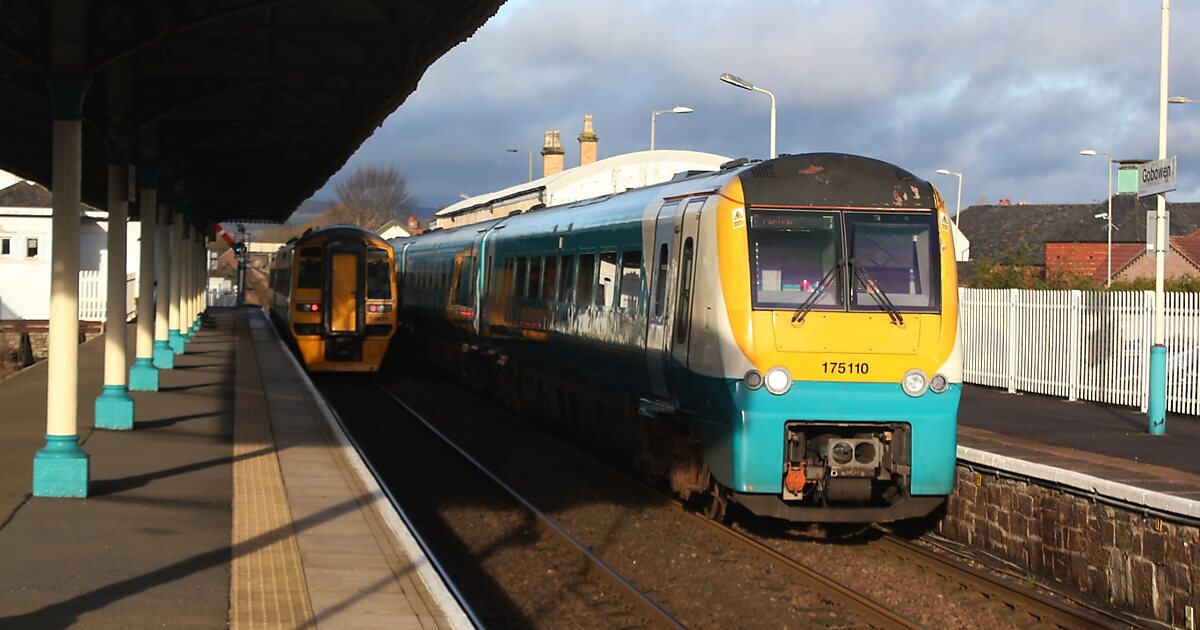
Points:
[[1096, 448], [235, 500]]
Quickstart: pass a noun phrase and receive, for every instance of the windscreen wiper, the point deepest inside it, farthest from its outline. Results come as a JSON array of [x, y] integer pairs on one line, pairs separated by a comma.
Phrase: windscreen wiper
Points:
[[875, 291], [808, 304]]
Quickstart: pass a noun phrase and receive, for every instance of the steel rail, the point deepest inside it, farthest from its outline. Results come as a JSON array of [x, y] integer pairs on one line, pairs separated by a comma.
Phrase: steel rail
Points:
[[645, 606], [1018, 597], [872, 611]]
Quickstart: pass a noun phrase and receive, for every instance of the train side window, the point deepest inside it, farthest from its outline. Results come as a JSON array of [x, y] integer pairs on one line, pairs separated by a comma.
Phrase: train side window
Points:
[[379, 280], [683, 311], [660, 283], [488, 272], [585, 280], [607, 279], [550, 279], [462, 292], [535, 277], [309, 274], [566, 284], [506, 281], [519, 283], [631, 280]]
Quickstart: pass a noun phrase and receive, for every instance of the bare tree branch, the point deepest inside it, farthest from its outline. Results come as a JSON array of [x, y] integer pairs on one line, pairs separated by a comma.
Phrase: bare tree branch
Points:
[[371, 197]]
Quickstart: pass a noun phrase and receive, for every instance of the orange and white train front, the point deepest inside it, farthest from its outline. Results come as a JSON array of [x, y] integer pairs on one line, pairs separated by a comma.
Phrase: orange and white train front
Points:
[[338, 298], [824, 354]]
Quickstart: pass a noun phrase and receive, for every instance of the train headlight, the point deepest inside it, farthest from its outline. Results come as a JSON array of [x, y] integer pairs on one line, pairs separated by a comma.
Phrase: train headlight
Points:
[[914, 383], [938, 383], [753, 379], [778, 380]]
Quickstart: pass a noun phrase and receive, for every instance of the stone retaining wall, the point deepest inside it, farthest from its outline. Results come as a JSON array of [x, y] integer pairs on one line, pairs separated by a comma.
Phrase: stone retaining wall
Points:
[[1132, 560]]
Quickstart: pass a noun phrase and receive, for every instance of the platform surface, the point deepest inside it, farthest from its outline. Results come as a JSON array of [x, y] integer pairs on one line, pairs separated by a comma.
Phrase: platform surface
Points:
[[232, 502], [1112, 444]]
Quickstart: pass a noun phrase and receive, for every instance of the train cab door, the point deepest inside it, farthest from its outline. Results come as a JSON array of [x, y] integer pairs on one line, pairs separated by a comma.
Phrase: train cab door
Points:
[[663, 276], [680, 330], [483, 271], [344, 286]]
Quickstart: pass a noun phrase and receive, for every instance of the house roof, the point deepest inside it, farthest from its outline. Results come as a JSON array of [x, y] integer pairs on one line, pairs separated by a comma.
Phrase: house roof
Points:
[[1091, 259], [1018, 233], [25, 194]]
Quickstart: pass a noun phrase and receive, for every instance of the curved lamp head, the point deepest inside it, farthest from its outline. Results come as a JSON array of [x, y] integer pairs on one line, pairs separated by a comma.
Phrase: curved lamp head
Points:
[[680, 109], [737, 81], [1091, 152]]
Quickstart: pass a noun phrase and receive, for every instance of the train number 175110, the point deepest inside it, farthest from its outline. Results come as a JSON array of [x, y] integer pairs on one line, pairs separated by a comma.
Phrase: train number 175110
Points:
[[842, 367]]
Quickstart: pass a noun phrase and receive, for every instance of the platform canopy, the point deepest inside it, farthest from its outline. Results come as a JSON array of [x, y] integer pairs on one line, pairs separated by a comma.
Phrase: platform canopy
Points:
[[246, 107]]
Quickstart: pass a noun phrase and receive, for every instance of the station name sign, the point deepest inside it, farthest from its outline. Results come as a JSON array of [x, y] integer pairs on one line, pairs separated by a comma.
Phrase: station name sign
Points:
[[1156, 177]]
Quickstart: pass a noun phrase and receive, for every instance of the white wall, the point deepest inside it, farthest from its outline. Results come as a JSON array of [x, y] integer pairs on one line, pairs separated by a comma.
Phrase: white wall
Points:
[[25, 281]]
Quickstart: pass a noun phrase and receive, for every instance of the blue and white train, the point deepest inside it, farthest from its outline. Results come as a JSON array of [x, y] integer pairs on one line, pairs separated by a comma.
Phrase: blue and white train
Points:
[[778, 334]]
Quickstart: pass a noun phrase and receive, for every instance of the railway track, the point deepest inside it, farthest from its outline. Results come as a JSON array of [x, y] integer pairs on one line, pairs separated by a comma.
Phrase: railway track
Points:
[[773, 554], [645, 607], [841, 605]]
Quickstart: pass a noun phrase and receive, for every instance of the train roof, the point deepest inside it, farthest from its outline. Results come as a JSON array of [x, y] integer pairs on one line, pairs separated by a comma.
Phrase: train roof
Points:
[[836, 180]]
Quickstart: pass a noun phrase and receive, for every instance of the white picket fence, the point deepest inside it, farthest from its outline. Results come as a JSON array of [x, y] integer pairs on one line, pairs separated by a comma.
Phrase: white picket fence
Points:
[[93, 296], [1081, 345]]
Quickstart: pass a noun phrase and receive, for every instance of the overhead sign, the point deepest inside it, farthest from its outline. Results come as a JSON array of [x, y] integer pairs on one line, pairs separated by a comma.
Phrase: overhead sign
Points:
[[1156, 177]]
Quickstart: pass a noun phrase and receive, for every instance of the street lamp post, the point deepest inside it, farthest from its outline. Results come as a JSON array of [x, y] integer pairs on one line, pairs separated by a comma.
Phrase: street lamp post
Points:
[[1107, 215], [958, 200], [746, 85], [530, 160], [678, 109]]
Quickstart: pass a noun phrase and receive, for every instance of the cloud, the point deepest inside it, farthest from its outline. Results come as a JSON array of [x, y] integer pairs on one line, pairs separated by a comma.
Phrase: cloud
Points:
[[1006, 93]]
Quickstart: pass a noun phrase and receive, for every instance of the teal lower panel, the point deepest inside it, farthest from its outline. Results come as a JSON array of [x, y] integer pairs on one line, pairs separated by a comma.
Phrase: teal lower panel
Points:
[[143, 376], [164, 356], [176, 341], [114, 409], [61, 468], [742, 430]]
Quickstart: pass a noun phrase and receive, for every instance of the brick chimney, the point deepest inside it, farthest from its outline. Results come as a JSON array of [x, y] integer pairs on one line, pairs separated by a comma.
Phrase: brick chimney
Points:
[[552, 154], [587, 142]]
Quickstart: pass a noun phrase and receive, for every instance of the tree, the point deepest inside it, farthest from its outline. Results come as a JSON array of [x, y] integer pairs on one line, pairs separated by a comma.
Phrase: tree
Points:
[[371, 197]]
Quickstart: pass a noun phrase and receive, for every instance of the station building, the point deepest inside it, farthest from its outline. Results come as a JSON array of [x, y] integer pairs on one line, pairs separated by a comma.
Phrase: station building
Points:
[[592, 178]]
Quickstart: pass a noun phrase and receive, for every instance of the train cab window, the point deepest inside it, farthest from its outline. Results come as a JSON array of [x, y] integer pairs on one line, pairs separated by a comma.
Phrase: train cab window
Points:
[[683, 308], [309, 272], [566, 282], [794, 258], [606, 279], [660, 282], [893, 255], [535, 278], [550, 279], [585, 279], [631, 280], [519, 280]]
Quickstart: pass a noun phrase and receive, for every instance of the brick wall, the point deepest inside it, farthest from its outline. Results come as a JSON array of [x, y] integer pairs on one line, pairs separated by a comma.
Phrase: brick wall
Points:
[[1131, 560]]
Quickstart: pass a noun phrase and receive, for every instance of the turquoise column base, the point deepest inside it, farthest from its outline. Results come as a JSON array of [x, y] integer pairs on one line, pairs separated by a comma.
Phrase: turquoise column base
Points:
[[60, 469], [196, 324], [164, 356], [1158, 390], [176, 340], [114, 409], [143, 376]]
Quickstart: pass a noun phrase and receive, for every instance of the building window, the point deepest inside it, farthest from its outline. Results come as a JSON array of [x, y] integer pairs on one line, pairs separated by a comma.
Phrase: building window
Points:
[[31, 248], [5, 246]]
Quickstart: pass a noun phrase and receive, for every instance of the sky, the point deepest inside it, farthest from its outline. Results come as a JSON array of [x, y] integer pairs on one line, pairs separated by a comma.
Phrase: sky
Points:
[[1006, 93]]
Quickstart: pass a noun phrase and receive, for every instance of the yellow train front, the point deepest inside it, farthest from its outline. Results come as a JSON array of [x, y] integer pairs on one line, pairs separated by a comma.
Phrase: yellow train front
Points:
[[333, 294]]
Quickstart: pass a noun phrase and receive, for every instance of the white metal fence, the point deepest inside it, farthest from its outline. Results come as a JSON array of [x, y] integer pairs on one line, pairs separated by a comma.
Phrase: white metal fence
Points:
[[93, 296], [1081, 345]]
